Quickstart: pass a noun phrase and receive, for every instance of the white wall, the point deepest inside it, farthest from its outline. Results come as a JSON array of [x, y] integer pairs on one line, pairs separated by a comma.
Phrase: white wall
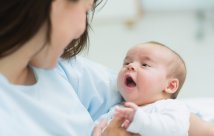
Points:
[[180, 30], [175, 5]]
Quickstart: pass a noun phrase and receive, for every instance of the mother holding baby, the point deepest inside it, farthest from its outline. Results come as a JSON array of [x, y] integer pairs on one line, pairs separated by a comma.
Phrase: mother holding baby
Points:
[[45, 89]]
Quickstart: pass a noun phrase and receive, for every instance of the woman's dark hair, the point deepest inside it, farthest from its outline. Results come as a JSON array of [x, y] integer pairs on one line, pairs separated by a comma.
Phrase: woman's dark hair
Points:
[[21, 20]]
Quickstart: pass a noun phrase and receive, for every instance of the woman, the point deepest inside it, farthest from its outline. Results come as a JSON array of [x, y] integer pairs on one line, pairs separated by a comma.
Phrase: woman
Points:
[[41, 94]]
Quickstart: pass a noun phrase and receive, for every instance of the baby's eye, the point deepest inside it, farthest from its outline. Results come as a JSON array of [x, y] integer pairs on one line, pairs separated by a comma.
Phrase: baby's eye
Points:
[[145, 65], [126, 63]]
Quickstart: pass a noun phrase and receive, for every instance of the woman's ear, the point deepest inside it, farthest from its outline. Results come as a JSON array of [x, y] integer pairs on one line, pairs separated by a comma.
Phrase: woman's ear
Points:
[[172, 86]]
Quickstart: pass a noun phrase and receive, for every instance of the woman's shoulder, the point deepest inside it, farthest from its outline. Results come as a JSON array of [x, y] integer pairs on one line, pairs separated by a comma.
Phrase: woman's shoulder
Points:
[[94, 83]]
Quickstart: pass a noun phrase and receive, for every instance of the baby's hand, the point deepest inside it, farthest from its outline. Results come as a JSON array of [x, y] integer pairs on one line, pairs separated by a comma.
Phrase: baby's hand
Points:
[[126, 112]]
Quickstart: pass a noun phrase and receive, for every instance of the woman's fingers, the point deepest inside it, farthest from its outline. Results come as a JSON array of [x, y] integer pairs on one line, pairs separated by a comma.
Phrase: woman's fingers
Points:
[[115, 129], [117, 122], [99, 128], [126, 124]]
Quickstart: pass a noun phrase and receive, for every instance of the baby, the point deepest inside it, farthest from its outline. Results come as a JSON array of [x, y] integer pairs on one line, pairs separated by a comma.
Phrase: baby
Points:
[[149, 81]]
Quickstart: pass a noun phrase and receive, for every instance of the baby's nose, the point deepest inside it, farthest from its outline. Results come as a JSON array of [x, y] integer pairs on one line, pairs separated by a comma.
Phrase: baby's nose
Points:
[[131, 67]]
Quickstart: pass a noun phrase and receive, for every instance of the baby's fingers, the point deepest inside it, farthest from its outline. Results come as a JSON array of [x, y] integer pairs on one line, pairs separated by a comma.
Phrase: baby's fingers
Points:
[[131, 105], [124, 112]]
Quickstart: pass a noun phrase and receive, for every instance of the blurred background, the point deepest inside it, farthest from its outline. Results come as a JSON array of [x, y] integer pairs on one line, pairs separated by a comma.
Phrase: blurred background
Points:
[[186, 26]]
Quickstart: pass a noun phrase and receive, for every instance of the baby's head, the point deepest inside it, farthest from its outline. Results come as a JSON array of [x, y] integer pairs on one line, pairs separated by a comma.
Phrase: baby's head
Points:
[[150, 72]]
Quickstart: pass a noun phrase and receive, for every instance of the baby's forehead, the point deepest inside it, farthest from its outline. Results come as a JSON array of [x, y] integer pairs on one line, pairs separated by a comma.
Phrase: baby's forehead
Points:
[[153, 51], [149, 47], [145, 46]]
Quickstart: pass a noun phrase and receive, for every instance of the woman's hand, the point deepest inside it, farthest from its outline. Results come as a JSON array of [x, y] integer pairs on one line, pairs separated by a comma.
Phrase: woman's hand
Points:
[[199, 127], [114, 129], [100, 127]]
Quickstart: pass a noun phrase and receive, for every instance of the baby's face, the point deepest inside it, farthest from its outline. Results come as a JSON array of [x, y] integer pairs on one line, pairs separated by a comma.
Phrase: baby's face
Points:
[[143, 76]]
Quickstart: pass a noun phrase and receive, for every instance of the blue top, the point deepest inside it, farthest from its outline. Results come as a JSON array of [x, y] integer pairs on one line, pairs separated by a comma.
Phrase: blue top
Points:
[[64, 101]]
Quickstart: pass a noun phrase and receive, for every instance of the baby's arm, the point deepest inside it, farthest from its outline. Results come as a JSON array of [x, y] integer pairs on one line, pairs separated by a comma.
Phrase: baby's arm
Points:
[[169, 118]]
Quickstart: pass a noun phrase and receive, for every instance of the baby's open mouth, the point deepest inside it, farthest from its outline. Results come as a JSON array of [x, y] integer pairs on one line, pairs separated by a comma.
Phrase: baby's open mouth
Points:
[[130, 82]]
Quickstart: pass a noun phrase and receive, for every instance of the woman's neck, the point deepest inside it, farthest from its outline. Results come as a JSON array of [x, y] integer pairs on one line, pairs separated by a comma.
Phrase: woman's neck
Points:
[[17, 72], [15, 67]]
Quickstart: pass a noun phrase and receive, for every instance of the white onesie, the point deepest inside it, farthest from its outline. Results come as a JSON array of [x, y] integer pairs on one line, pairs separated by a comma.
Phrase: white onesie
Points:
[[163, 118]]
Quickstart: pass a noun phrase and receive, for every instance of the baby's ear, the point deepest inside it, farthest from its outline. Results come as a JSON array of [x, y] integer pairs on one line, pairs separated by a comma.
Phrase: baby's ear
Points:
[[172, 86]]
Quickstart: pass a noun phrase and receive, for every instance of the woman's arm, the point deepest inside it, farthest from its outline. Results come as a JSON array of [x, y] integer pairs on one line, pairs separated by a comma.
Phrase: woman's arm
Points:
[[198, 127]]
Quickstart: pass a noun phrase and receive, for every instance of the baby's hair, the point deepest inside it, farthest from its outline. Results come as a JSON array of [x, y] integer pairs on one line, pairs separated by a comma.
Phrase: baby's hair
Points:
[[178, 70]]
